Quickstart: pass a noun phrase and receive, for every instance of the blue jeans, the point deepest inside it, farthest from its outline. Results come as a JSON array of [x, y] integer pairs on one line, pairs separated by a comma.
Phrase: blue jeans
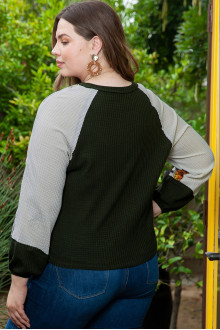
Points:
[[63, 298]]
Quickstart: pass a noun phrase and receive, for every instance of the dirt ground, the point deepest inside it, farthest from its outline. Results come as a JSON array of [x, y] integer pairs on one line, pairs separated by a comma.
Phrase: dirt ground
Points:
[[190, 314]]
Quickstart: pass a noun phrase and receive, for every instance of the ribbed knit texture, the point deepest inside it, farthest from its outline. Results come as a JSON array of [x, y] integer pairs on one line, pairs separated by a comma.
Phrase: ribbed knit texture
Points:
[[94, 159]]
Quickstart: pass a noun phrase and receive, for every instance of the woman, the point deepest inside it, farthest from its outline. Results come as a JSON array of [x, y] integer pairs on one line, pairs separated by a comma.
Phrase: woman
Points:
[[83, 248]]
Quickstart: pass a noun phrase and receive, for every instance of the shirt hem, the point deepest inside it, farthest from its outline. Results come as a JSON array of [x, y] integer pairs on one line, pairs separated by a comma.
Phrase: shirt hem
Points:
[[102, 266]]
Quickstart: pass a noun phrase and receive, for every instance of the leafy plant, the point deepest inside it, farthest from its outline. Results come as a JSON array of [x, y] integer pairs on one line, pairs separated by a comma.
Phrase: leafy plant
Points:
[[10, 180], [152, 25], [27, 66], [176, 233], [191, 43]]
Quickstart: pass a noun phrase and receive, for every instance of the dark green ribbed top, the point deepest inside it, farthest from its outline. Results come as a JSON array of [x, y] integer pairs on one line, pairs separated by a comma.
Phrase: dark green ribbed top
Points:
[[95, 156]]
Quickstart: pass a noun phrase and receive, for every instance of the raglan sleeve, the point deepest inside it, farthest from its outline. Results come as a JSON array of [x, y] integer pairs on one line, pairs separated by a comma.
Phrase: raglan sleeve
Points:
[[190, 155], [41, 191]]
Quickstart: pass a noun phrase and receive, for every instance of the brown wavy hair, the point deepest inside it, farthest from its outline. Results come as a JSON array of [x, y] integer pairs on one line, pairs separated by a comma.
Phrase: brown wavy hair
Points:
[[96, 18]]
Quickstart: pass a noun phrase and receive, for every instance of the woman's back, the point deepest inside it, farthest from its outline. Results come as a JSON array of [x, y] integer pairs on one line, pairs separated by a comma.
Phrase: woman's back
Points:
[[100, 151]]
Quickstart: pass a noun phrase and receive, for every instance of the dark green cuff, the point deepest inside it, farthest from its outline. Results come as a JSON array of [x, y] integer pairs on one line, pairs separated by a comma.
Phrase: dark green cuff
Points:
[[25, 260], [172, 195]]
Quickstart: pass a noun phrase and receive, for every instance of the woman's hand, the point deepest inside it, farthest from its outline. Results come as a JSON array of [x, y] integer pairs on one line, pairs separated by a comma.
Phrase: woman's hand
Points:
[[15, 302], [156, 209]]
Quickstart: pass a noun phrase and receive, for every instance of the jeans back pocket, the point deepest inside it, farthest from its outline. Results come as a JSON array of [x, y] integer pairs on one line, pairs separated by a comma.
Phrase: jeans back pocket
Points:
[[82, 283]]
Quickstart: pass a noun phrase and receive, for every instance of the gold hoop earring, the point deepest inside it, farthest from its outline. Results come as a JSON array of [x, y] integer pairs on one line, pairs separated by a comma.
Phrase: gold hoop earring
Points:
[[95, 63]]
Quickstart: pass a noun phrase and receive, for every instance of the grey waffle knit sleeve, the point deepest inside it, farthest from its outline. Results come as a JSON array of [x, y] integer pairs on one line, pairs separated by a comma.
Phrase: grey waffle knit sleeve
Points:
[[53, 139], [190, 155]]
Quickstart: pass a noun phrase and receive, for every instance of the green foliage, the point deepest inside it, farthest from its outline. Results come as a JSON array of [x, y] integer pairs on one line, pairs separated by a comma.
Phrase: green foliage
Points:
[[12, 151], [176, 233], [22, 108], [152, 25], [172, 88], [199, 284], [176, 34], [27, 67], [118, 6], [192, 43], [10, 180]]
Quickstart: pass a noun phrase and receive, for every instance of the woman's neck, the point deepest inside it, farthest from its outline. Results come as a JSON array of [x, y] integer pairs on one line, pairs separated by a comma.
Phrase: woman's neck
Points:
[[108, 78]]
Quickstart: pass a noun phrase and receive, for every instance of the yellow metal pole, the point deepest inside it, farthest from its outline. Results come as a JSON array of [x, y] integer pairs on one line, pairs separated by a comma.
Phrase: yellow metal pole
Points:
[[213, 185]]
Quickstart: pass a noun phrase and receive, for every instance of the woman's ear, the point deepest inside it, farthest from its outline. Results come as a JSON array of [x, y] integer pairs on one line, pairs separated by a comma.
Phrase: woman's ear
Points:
[[96, 44]]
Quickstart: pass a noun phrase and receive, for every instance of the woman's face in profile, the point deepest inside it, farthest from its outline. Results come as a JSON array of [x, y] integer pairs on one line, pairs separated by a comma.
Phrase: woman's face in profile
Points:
[[72, 50]]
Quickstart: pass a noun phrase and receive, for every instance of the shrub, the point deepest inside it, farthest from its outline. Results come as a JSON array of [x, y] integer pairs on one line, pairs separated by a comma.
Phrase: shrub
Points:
[[10, 181]]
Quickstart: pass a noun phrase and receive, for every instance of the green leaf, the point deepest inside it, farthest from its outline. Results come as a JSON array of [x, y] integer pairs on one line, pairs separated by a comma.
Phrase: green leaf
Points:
[[169, 246], [172, 260], [199, 284], [164, 266], [173, 270], [182, 269], [162, 230], [200, 227], [198, 248], [161, 222]]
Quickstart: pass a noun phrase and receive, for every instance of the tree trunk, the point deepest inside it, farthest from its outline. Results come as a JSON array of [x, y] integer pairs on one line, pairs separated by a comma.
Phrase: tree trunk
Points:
[[176, 304]]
